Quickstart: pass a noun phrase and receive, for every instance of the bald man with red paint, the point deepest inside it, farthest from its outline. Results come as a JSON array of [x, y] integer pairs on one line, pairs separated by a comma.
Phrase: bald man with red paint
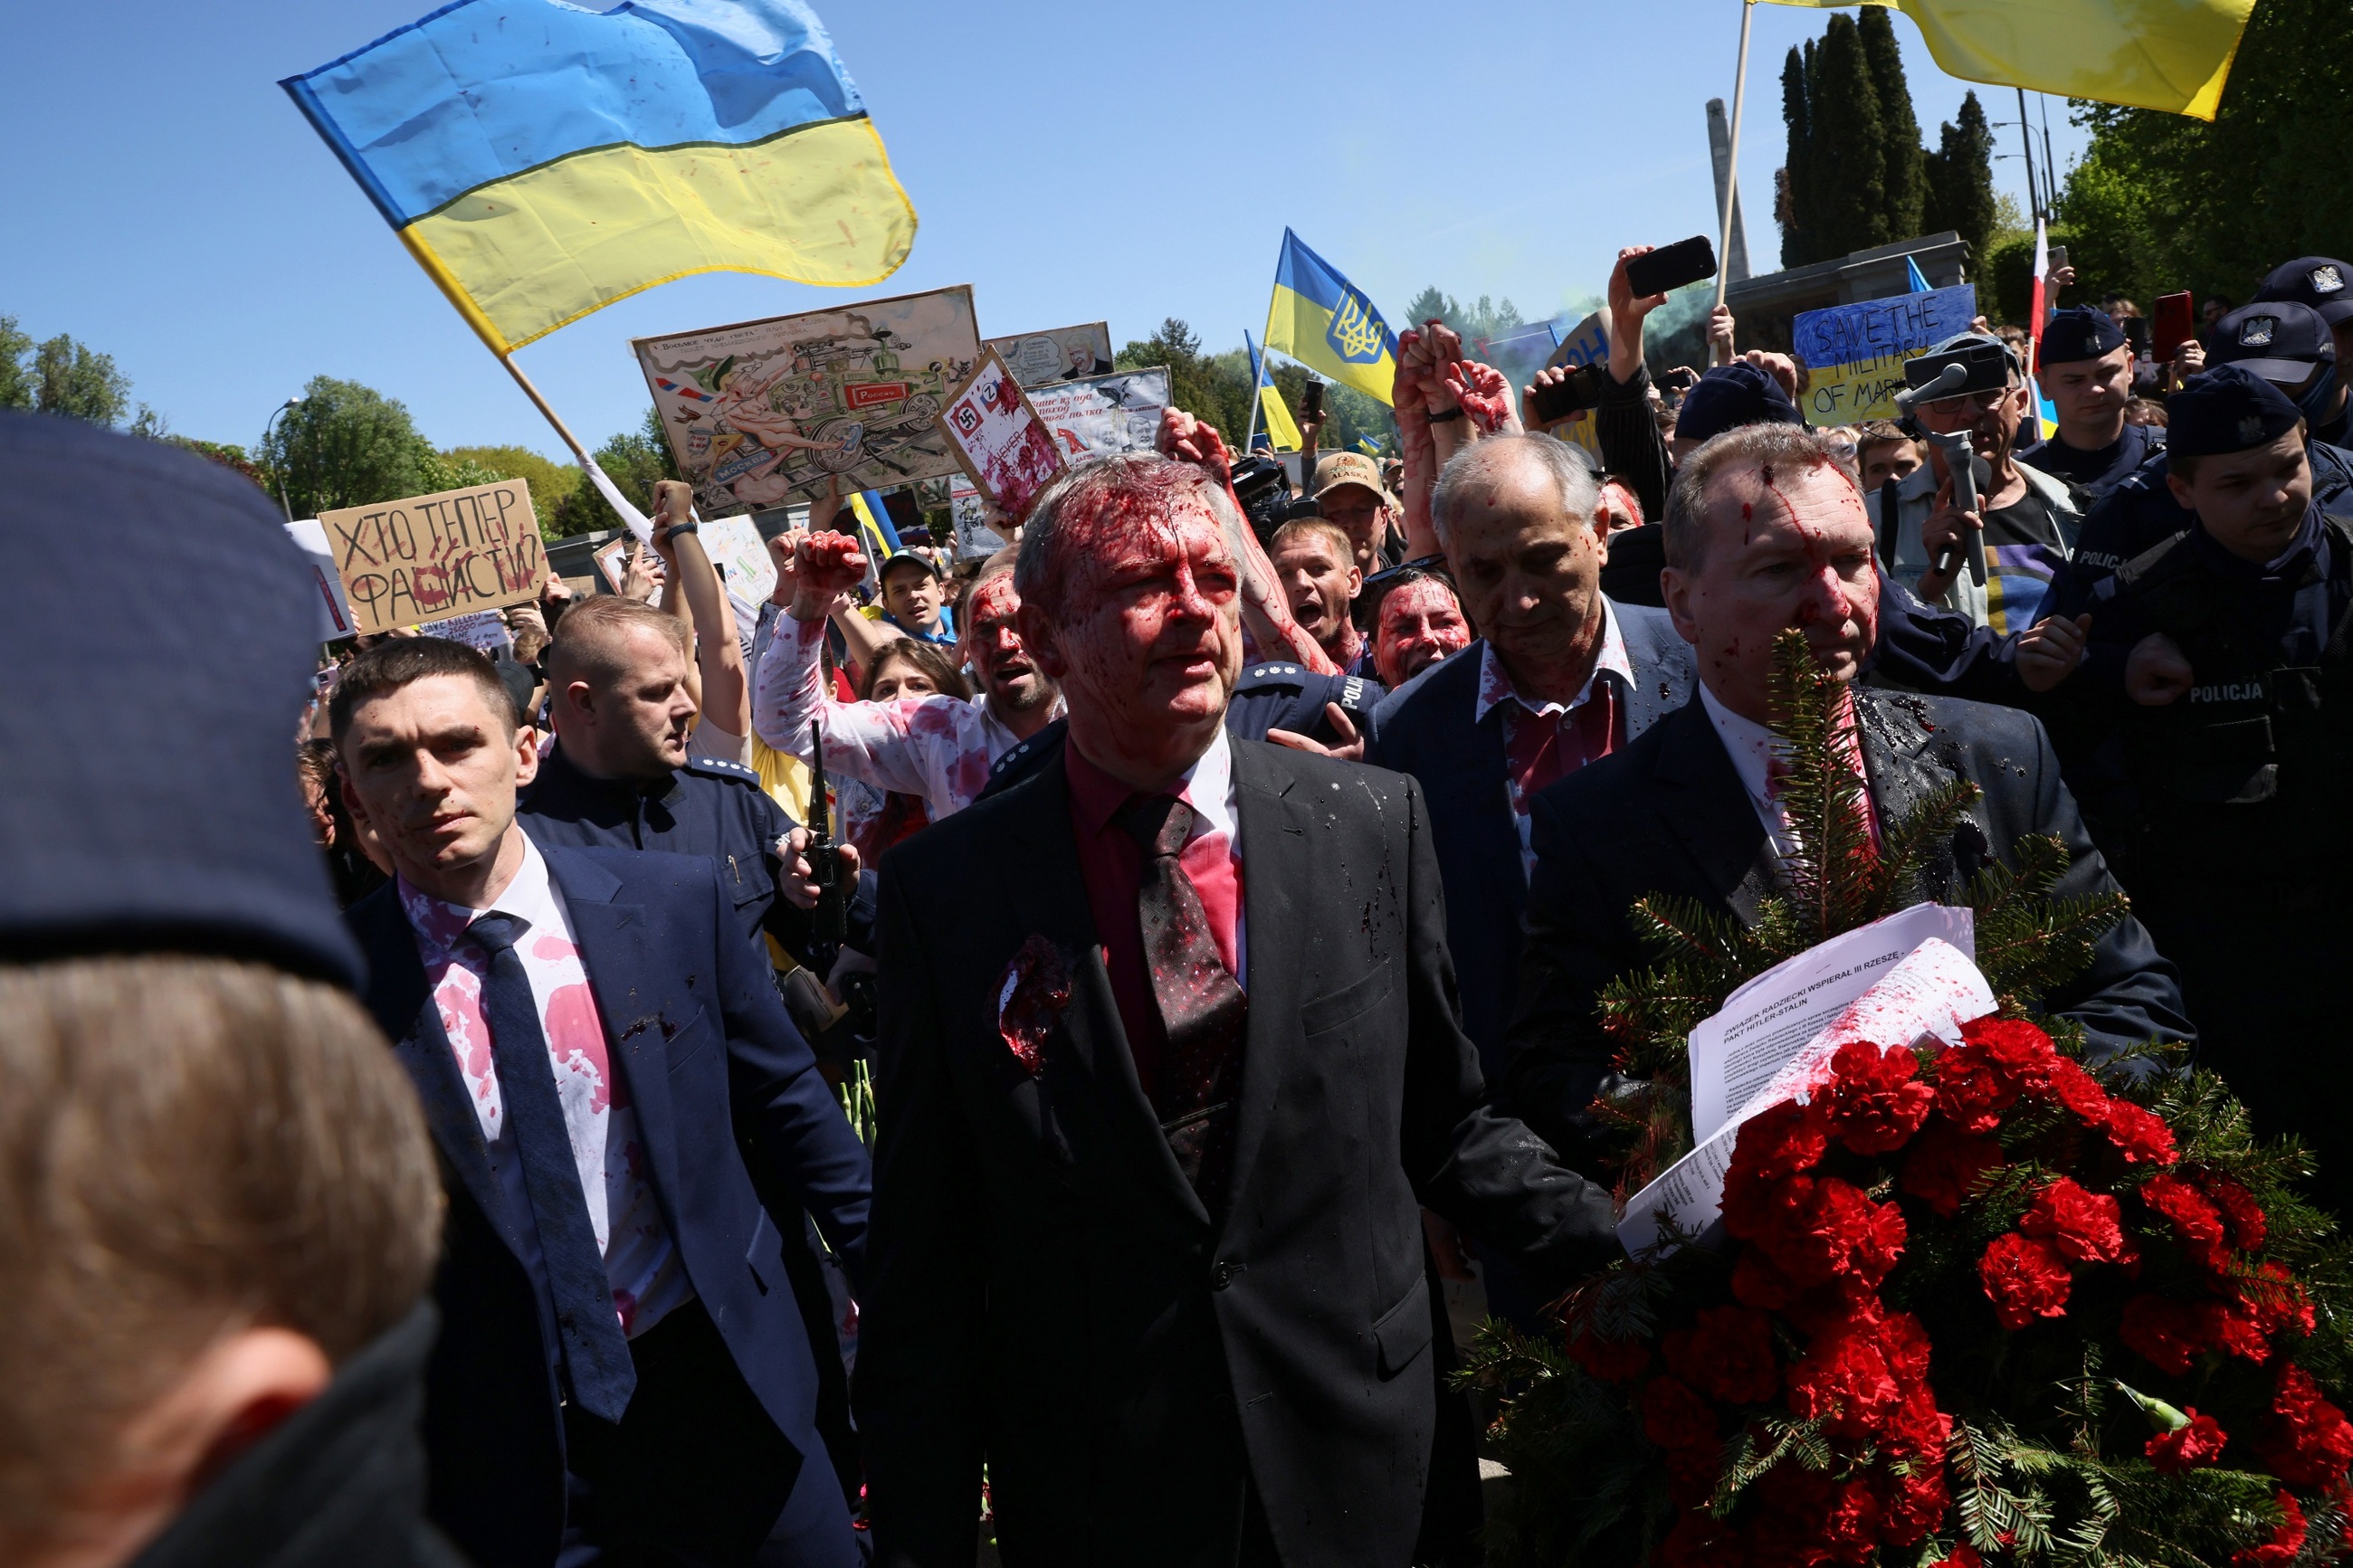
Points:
[[1169, 1064], [1767, 531]]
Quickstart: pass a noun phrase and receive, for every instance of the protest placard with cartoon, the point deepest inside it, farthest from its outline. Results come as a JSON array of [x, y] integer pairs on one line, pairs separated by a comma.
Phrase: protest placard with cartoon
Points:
[[761, 412], [1060, 353]]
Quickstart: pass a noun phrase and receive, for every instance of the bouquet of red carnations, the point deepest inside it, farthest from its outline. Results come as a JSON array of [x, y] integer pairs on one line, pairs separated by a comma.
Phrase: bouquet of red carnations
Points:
[[1980, 1303]]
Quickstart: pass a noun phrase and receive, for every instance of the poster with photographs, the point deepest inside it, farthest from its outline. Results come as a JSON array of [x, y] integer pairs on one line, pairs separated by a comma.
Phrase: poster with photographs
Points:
[[1064, 354], [1118, 413], [763, 413]]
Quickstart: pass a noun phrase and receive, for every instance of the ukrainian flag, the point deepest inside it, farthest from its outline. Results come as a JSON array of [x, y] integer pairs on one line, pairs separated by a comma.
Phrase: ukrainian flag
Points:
[[1324, 321], [542, 160], [1280, 427]]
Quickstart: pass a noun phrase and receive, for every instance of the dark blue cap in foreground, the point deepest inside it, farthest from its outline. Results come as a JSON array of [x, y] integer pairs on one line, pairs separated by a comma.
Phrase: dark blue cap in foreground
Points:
[[2227, 409], [159, 645], [1732, 396], [2077, 334]]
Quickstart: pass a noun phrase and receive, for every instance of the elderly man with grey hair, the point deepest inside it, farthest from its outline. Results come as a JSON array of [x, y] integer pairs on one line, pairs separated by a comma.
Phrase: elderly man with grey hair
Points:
[[1559, 677], [1766, 531]]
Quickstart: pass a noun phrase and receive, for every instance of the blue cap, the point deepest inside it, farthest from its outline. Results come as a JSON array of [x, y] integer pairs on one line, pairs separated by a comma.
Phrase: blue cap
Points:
[[2279, 340], [2227, 409], [2079, 332], [163, 647], [1732, 396], [2321, 283]]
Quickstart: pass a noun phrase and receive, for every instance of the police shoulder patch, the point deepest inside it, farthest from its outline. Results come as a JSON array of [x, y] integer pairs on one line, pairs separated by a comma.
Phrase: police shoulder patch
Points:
[[1264, 675], [721, 768]]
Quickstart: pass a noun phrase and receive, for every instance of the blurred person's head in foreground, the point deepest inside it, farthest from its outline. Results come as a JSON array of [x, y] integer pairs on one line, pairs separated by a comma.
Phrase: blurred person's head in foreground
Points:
[[221, 1211]]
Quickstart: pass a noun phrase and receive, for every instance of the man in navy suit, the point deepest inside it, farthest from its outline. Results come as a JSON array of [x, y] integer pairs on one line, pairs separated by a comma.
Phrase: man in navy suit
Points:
[[1560, 677], [622, 1374]]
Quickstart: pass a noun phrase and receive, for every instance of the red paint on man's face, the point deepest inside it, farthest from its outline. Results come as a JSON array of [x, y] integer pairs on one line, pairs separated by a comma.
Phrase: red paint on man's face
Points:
[[1148, 645], [1420, 624], [992, 643], [1789, 545]]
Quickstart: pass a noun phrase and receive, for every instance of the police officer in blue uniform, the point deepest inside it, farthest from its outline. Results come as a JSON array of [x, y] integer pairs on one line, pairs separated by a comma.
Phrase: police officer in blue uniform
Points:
[[2221, 671], [2322, 284], [2286, 343], [2086, 369]]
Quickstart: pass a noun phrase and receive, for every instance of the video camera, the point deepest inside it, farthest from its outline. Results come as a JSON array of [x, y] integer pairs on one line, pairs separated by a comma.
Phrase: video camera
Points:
[[1957, 373], [1263, 491]]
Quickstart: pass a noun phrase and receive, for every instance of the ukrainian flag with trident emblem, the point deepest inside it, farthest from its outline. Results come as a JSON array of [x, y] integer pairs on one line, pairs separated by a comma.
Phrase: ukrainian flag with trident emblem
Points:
[[1324, 321]]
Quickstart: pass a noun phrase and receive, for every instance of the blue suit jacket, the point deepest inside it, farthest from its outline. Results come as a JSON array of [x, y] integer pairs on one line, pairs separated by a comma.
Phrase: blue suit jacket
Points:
[[714, 1066], [1424, 729]]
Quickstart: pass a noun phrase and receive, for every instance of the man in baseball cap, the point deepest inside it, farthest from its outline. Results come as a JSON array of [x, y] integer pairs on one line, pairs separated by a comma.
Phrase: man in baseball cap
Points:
[[2087, 371], [2292, 346], [1347, 490], [2321, 283]]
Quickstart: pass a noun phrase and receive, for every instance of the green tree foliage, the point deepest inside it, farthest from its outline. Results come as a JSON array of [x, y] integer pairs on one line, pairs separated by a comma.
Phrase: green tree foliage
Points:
[[1793, 196], [234, 458], [2161, 201], [63, 377], [633, 461], [1959, 181], [1904, 160], [1485, 319], [1849, 160], [349, 445], [551, 483], [1206, 386]]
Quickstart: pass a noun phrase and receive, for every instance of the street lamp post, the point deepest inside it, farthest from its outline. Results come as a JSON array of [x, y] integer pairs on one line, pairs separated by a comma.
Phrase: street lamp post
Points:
[[280, 413]]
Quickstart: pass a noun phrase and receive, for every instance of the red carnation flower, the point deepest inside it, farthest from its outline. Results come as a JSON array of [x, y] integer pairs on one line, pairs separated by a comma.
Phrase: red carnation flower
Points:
[[1786, 1141], [1849, 1526], [1727, 1356], [2236, 1329], [1674, 1417], [1905, 1343], [1611, 1361], [1971, 1090], [2249, 1228], [1913, 1505], [2080, 1092], [2197, 1222], [2024, 1280], [1944, 1163], [1844, 1379], [2186, 1448], [1834, 1234], [2278, 1302], [2081, 1227], [2287, 1542], [2140, 1136], [2168, 1334], [2307, 1441], [1873, 1102], [2016, 1049]]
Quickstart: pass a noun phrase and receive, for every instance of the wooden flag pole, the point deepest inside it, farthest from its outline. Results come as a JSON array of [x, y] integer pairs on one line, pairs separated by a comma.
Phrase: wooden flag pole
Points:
[[635, 521], [541, 404], [1731, 177]]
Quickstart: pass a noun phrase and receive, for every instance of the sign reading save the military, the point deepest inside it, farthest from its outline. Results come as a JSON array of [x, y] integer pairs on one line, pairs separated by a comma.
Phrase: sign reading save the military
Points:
[[431, 557], [1853, 354]]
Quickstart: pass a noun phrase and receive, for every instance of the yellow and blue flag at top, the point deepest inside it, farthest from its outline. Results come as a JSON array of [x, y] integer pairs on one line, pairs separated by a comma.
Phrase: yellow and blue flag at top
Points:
[[1280, 429], [542, 160], [1324, 321]]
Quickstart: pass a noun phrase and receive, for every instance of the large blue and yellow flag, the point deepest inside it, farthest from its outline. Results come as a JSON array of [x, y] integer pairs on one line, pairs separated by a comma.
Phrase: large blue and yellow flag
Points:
[[1280, 429], [542, 161], [1324, 321]]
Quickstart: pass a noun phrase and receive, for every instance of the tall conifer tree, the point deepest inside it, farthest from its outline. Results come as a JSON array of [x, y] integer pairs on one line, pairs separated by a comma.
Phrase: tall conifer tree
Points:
[[1848, 159], [1960, 180], [1792, 201], [1899, 129]]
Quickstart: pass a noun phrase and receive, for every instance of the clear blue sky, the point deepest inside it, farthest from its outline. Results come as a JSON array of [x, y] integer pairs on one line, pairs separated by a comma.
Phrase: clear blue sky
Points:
[[1072, 162]]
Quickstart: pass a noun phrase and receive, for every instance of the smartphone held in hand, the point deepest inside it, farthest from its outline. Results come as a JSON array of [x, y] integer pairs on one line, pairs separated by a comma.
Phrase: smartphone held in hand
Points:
[[1671, 267]]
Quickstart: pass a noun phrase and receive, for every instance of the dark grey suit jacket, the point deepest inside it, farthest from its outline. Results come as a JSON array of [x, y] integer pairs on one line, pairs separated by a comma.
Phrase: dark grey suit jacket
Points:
[[1669, 815], [1049, 1295]]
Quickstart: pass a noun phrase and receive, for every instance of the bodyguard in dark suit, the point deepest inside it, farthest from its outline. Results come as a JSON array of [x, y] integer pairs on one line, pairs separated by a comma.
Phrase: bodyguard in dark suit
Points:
[[1766, 531], [622, 1373], [1169, 1063]]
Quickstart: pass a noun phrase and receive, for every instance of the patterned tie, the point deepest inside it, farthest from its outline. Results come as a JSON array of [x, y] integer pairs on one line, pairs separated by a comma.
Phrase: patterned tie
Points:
[[1202, 1006], [595, 1353]]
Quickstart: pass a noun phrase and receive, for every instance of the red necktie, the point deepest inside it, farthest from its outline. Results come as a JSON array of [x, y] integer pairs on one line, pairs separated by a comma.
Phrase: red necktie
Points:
[[1201, 1004]]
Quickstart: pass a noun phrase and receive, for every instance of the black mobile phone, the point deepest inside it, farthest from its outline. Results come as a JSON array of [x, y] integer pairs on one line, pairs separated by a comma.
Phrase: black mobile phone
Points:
[[1311, 401], [1683, 378], [1578, 391], [2137, 335], [1671, 266]]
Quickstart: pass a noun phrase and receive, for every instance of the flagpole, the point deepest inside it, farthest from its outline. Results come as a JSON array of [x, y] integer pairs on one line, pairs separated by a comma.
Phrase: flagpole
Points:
[[636, 520], [1258, 378], [1731, 180], [2026, 134]]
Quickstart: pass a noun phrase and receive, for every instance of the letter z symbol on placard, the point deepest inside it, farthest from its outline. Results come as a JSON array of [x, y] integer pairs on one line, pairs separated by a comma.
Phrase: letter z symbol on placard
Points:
[[1356, 333]]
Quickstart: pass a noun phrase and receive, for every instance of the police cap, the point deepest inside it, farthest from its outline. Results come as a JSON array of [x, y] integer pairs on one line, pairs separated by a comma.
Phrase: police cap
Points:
[[2079, 334], [2279, 340], [2320, 282], [2228, 409]]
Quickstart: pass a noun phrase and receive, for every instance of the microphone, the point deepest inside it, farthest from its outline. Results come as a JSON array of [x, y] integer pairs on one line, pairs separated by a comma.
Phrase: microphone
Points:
[[1949, 381]]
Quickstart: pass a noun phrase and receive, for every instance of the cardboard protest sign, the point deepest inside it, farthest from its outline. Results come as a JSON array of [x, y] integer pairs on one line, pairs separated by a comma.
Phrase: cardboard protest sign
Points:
[[484, 630], [759, 411], [1062, 353], [429, 557], [1853, 354], [1588, 343], [334, 611], [733, 543], [1118, 413], [999, 439]]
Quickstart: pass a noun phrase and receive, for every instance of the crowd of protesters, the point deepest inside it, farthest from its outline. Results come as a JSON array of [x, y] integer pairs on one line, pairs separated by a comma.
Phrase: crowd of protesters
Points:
[[1203, 910]]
